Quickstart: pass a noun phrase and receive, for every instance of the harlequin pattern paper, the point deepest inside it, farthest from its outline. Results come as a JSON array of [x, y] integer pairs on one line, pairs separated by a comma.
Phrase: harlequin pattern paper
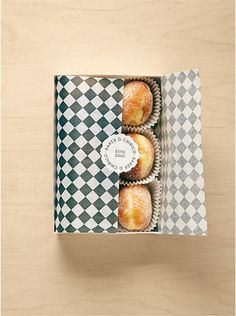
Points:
[[183, 200], [88, 110]]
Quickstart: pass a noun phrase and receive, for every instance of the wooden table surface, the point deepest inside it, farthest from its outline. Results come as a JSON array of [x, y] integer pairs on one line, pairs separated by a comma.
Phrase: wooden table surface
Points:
[[112, 275]]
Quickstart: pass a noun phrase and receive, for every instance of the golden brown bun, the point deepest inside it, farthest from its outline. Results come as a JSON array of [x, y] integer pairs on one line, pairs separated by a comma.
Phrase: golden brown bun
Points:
[[137, 105], [145, 161], [135, 207]]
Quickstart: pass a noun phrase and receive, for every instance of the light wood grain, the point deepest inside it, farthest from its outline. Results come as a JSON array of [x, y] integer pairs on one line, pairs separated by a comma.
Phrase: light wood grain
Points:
[[110, 275]]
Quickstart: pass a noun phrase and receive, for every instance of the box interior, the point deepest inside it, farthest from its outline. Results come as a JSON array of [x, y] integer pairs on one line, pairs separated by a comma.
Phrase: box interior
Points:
[[179, 128]]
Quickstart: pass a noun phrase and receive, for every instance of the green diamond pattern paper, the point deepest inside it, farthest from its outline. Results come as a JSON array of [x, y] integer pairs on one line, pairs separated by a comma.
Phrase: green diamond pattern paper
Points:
[[88, 110]]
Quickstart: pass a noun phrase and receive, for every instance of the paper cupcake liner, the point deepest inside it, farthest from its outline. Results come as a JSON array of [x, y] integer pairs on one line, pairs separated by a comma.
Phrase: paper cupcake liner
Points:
[[155, 189], [154, 116], [157, 151]]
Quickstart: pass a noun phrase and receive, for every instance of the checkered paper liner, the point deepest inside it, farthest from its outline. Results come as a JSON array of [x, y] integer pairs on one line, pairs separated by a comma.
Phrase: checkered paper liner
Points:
[[88, 110], [183, 200]]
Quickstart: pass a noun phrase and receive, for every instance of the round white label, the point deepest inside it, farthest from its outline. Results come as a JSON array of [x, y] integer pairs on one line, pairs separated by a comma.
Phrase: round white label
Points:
[[119, 153]]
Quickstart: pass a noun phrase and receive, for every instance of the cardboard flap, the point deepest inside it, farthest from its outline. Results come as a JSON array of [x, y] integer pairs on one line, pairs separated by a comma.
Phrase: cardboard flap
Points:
[[183, 200], [88, 110]]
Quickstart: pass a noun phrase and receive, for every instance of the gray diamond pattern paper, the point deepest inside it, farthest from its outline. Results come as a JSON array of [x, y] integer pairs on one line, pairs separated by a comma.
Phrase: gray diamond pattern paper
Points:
[[88, 110], [183, 200]]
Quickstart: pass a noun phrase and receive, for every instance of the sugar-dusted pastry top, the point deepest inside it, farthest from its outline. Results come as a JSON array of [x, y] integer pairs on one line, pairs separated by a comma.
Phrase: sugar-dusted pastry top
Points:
[[138, 103], [145, 161], [135, 207]]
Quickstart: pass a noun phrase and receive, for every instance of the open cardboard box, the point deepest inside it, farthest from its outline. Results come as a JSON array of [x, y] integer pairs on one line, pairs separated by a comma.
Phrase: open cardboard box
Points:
[[86, 191]]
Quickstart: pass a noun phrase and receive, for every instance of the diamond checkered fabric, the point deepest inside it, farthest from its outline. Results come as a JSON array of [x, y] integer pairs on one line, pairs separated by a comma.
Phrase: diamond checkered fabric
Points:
[[88, 110], [183, 200]]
